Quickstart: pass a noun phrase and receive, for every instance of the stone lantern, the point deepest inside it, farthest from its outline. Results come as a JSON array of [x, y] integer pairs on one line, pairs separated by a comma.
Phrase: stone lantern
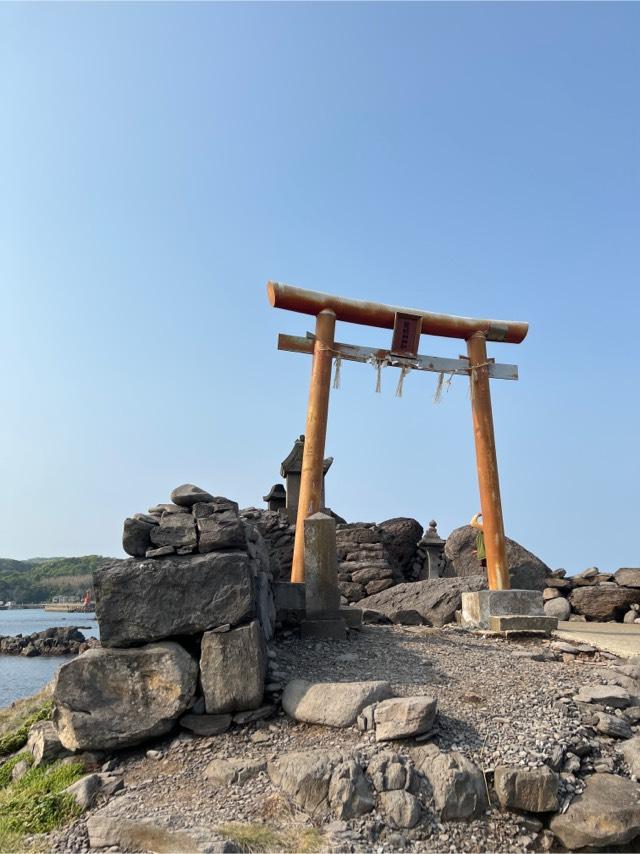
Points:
[[276, 498]]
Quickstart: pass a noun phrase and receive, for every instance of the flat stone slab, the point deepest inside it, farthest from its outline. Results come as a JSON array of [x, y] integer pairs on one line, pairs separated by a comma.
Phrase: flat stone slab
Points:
[[622, 639], [522, 623]]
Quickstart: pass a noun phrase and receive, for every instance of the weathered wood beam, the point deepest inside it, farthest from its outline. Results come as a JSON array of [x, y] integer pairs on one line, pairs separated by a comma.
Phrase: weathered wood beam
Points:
[[383, 316], [355, 353]]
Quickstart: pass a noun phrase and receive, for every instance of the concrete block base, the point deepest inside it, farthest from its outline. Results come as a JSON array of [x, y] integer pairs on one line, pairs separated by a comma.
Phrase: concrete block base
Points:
[[479, 607], [523, 623], [332, 629]]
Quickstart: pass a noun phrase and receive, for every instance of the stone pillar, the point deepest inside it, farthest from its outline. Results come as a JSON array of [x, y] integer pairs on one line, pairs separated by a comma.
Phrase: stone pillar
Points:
[[322, 596]]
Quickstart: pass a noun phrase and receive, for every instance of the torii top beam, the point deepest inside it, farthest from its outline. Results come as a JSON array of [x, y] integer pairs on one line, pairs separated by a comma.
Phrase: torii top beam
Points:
[[383, 316]]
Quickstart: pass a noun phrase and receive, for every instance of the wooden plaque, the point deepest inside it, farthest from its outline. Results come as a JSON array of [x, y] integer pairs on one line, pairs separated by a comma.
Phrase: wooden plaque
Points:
[[406, 334]]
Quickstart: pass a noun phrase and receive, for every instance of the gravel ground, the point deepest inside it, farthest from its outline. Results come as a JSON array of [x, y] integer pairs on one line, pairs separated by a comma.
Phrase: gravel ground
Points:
[[496, 705]]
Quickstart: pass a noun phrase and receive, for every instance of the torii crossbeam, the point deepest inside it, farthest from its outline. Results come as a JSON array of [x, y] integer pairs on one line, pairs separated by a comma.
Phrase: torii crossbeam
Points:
[[408, 326]]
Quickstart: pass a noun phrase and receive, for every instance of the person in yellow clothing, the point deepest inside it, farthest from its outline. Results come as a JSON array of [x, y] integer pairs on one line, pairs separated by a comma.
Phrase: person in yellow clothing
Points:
[[481, 552]]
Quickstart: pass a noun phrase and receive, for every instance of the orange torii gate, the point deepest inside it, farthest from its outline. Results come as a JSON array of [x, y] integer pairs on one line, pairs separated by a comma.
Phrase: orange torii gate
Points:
[[408, 325]]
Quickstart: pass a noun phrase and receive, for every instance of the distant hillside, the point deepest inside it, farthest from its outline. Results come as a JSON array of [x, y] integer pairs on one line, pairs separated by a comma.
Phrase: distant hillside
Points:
[[39, 579]]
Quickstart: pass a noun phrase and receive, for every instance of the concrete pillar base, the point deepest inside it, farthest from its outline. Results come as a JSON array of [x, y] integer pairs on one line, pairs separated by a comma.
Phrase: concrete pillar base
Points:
[[478, 608]]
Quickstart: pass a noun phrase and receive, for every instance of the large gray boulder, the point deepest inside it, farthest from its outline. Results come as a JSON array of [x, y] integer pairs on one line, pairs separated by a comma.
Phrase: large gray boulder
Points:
[[138, 601], [233, 666], [436, 600], [607, 813], [602, 603], [111, 698], [526, 571], [331, 703]]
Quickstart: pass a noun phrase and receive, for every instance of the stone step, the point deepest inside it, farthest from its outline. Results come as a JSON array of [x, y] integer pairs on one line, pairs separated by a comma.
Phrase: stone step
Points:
[[523, 623]]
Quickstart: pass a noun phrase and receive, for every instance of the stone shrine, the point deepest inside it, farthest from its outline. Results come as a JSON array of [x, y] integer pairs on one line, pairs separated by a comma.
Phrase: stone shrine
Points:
[[291, 469]]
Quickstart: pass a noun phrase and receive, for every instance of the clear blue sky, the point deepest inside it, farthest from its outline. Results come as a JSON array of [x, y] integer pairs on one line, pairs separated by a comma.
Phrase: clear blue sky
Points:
[[158, 163]]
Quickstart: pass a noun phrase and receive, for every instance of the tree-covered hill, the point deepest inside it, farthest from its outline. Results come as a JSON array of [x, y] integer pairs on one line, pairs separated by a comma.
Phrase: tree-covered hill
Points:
[[39, 579]]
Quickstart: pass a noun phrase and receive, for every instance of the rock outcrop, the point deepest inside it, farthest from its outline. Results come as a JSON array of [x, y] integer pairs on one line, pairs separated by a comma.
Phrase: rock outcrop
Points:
[[139, 601], [435, 600], [526, 571], [110, 698], [67, 640]]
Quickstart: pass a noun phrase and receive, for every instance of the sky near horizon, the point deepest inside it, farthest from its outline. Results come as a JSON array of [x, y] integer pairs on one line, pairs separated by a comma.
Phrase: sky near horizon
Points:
[[160, 162]]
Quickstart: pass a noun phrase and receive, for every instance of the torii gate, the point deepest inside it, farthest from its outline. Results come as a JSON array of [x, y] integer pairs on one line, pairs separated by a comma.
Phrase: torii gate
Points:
[[407, 325]]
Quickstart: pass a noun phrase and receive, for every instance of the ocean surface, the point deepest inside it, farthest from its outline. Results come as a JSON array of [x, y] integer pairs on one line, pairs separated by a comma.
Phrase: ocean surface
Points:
[[21, 677]]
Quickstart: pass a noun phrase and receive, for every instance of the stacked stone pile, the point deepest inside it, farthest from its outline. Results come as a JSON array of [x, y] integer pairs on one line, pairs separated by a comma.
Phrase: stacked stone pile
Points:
[[594, 595], [183, 629], [278, 534], [67, 640], [372, 558]]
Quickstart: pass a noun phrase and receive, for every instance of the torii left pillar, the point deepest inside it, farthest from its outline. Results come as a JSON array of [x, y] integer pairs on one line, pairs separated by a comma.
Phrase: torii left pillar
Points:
[[311, 477]]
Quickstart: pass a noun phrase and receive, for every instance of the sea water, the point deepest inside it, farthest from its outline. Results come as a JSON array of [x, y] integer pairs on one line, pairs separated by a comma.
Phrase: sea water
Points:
[[20, 676]]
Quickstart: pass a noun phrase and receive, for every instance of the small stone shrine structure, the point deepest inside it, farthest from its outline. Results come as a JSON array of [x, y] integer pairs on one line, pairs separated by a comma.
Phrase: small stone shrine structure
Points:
[[276, 498], [291, 469]]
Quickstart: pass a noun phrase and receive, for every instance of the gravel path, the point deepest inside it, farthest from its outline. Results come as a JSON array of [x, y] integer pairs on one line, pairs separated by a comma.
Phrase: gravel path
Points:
[[496, 705]]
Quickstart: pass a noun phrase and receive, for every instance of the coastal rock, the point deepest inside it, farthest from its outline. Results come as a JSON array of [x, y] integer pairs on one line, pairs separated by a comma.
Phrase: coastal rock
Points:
[[331, 703], [387, 771], [304, 776], [43, 743], [111, 698], [526, 571], [605, 695], [404, 717], [534, 790], [559, 608], [131, 834], [233, 666], [607, 813], [436, 600], [86, 791], [224, 772], [458, 785], [136, 537], [138, 601], [187, 495], [401, 809], [221, 531], [613, 726], [627, 577], [350, 794], [175, 529], [603, 603]]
